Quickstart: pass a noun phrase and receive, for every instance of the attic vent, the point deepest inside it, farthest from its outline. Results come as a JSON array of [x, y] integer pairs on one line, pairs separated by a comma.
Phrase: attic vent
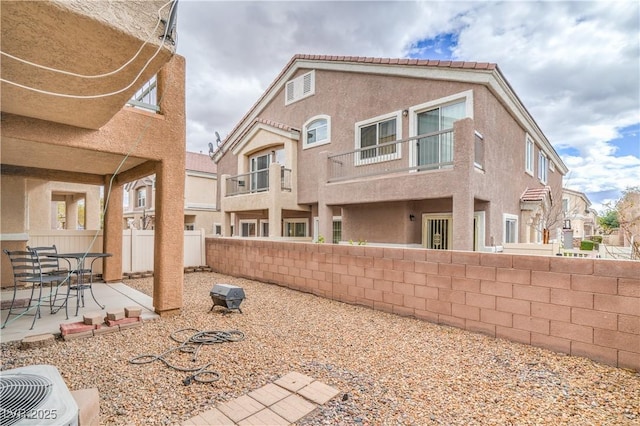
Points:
[[300, 87]]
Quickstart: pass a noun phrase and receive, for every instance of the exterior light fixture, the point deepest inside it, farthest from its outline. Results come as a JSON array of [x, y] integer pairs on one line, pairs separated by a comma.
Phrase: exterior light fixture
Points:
[[412, 217]]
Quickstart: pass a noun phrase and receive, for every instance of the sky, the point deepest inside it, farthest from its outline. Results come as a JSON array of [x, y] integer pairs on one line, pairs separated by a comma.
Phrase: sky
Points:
[[575, 65]]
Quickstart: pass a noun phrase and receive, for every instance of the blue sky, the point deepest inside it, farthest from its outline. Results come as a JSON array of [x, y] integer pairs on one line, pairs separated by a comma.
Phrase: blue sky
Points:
[[574, 64]]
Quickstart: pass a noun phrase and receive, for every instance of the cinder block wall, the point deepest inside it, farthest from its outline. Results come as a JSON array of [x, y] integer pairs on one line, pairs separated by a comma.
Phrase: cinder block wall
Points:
[[578, 306]]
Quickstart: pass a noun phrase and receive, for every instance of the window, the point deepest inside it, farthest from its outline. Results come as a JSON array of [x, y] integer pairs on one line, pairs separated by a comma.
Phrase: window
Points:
[[189, 227], [247, 228], [435, 120], [264, 228], [565, 205], [528, 155], [260, 172], [479, 151], [141, 197], [543, 167], [317, 131], [510, 228], [337, 230], [217, 229], [375, 137], [295, 228], [300, 88]]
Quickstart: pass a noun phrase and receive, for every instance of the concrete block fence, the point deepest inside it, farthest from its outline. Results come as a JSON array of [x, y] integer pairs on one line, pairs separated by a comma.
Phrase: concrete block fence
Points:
[[578, 306]]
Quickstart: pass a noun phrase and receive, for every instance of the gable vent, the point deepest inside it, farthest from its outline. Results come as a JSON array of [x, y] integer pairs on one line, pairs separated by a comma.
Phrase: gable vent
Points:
[[300, 87]]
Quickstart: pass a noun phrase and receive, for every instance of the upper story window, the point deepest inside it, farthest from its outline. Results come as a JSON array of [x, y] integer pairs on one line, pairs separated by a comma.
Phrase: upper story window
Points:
[[317, 131], [543, 167], [434, 120], [141, 196], [374, 137], [528, 155], [300, 87]]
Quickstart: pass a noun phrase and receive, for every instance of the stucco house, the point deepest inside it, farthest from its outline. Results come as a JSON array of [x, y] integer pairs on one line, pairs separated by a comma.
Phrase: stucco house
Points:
[[578, 216], [403, 152], [69, 70], [200, 187]]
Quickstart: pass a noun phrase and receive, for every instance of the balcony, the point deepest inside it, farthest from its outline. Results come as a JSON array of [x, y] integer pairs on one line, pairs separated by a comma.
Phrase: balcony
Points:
[[254, 182], [430, 151]]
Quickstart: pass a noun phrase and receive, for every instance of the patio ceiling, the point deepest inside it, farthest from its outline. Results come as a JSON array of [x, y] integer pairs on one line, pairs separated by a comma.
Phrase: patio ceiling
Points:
[[83, 39], [87, 39]]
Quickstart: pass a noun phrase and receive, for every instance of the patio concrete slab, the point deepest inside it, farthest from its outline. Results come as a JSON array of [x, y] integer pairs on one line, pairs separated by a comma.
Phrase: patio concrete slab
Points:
[[114, 296]]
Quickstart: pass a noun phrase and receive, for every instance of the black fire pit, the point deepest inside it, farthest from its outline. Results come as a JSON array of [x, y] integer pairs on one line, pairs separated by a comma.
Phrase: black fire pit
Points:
[[227, 295]]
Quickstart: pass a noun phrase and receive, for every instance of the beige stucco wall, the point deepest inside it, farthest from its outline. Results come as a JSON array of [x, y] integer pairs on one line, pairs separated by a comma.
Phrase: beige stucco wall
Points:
[[353, 97], [160, 139]]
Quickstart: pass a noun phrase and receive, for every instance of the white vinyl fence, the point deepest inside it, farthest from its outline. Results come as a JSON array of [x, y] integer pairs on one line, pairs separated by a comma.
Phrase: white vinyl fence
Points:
[[137, 246]]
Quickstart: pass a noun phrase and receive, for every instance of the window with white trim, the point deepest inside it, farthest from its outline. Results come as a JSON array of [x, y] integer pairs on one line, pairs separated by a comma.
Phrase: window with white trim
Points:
[[510, 228], [528, 155], [543, 167], [435, 119], [141, 196], [247, 228], [317, 131], [295, 227], [375, 138], [300, 87], [264, 228]]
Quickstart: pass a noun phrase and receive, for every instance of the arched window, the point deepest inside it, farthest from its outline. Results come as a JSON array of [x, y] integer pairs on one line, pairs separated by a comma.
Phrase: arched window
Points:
[[317, 131]]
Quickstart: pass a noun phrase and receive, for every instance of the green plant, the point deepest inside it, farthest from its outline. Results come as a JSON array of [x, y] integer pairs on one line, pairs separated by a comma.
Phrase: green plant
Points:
[[596, 238], [586, 245], [320, 239]]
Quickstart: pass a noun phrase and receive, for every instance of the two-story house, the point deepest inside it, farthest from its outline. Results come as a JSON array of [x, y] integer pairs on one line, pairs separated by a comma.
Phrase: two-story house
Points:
[[404, 152], [200, 187]]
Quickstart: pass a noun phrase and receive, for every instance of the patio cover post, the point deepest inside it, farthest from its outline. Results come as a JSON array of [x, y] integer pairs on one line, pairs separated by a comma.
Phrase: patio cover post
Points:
[[112, 233], [168, 262]]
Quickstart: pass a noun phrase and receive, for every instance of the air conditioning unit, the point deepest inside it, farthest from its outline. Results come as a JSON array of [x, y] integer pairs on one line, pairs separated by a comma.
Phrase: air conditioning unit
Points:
[[36, 395]]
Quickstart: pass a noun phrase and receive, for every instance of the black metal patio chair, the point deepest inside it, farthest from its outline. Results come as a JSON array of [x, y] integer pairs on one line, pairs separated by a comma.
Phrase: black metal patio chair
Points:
[[28, 272]]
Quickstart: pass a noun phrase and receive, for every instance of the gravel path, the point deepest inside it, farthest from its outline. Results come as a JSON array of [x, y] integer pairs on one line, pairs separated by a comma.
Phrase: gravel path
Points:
[[390, 370]]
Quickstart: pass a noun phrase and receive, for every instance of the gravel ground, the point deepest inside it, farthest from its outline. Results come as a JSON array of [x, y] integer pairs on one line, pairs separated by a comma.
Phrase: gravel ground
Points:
[[390, 370]]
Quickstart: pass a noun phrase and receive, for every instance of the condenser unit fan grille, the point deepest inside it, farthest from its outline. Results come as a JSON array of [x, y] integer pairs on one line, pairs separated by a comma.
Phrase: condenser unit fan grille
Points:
[[20, 394]]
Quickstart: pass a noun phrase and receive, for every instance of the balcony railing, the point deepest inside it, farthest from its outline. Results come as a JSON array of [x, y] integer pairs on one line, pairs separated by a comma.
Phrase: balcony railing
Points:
[[423, 152], [147, 96], [258, 181]]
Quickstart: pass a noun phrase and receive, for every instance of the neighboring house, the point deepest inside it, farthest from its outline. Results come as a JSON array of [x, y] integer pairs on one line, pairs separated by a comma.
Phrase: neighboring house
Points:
[[578, 216], [200, 189], [68, 71], [402, 152]]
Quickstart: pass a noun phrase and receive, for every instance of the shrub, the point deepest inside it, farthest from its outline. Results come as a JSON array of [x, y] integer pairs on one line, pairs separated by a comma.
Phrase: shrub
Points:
[[596, 238], [586, 245]]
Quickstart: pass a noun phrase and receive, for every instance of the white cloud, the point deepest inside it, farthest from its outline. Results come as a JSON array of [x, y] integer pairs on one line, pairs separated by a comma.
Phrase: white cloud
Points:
[[574, 64]]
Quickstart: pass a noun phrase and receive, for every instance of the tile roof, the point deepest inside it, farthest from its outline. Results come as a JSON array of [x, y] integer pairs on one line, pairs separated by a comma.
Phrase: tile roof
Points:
[[536, 194], [200, 163], [267, 122], [396, 61], [486, 66]]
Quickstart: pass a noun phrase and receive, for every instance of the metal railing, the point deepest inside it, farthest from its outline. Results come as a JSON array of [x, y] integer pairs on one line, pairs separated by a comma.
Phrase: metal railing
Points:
[[147, 96], [258, 181], [429, 151]]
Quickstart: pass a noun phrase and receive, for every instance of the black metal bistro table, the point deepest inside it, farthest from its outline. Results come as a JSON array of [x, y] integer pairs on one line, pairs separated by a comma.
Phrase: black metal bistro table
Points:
[[80, 270]]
